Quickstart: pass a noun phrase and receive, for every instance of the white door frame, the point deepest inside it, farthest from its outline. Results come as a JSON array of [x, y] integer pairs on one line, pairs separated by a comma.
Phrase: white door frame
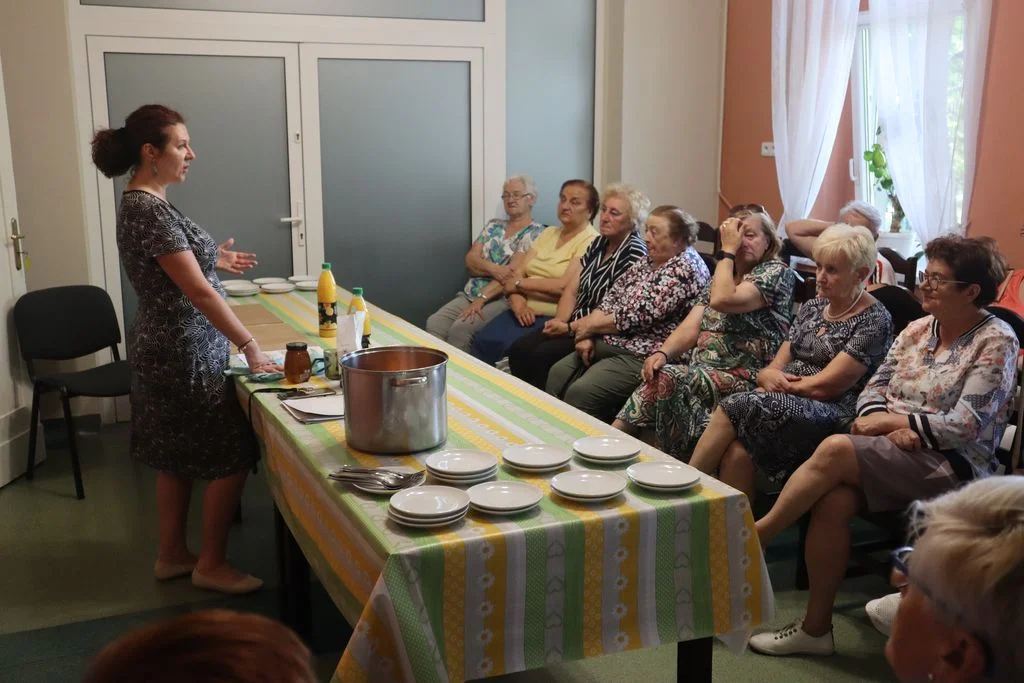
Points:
[[310, 54], [99, 46], [15, 421]]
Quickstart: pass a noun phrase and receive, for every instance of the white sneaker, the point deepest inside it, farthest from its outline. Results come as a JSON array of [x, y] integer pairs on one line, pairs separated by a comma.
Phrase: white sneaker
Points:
[[882, 611], [792, 640]]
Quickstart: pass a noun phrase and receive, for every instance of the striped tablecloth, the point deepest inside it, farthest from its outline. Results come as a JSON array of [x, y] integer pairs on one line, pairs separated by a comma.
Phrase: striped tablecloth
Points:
[[491, 595]]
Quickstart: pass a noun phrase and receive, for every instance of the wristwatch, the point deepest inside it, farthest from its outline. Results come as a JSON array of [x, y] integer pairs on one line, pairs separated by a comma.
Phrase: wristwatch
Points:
[[516, 285], [725, 254]]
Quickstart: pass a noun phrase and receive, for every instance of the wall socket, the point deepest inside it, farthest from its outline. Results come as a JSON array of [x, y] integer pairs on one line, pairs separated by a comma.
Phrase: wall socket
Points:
[[767, 149]]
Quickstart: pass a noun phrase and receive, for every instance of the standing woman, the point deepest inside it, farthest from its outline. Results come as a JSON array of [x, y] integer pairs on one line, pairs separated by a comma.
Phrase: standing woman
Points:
[[186, 421]]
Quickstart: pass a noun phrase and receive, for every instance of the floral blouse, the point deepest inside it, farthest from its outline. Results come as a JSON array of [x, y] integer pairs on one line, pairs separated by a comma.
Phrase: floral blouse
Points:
[[599, 273], [499, 250], [647, 304], [958, 399]]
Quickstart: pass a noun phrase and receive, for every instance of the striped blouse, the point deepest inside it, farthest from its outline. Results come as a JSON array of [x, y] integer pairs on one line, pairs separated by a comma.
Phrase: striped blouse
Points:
[[599, 273]]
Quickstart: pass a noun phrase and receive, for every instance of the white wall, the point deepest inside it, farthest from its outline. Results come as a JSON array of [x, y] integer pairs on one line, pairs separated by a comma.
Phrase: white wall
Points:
[[670, 99]]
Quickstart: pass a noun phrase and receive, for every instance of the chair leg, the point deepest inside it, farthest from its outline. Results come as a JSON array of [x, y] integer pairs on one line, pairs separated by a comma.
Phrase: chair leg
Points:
[[802, 581], [33, 432], [72, 443]]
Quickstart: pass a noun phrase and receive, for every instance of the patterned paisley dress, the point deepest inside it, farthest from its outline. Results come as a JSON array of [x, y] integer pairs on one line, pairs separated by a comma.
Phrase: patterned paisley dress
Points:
[[730, 350], [185, 417]]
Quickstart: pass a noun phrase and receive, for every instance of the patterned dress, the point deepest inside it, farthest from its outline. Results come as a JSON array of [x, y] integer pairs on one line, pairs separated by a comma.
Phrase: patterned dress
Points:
[[780, 431], [499, 249], [185, 417], [731, 348]]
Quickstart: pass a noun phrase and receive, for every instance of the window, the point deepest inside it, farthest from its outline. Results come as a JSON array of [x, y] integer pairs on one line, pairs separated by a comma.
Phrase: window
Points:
[[865, 116]]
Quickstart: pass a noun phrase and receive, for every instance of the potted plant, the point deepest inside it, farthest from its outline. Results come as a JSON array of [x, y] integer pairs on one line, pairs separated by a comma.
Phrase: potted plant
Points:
[[879, 168]]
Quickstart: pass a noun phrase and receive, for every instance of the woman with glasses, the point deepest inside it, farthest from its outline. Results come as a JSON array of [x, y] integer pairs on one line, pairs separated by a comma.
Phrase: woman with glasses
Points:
[[930, 419], [480, 301], [961, 617], [617, 247], [540, 275]]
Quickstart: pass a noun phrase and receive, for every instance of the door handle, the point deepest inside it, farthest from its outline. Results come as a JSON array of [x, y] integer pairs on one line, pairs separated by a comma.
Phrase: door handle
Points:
[[16, 238], [292, 219], [295, 221]]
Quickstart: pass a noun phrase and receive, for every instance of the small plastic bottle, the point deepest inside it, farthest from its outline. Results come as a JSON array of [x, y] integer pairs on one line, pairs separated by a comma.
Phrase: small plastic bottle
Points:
[[327, 303], [359, 304]]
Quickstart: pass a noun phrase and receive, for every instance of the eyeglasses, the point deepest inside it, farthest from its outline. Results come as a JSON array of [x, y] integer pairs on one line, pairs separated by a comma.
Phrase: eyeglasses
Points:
[[933, 280], [746, 209], [901, 580], [515, 195]]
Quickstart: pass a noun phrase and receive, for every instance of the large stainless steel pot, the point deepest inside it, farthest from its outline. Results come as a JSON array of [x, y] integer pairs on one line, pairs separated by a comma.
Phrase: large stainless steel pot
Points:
[[396, 398]]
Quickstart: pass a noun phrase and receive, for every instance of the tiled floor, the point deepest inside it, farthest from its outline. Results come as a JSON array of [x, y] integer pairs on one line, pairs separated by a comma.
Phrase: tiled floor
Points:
[[76, 574]]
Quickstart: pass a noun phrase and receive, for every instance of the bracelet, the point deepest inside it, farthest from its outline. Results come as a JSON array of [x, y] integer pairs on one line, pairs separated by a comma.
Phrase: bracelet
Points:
[[243, 347], [722, 254], [667, 359]]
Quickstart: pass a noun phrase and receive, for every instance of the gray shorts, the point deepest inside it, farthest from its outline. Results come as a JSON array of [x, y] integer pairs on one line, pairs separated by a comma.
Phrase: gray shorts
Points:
[[892, 478]]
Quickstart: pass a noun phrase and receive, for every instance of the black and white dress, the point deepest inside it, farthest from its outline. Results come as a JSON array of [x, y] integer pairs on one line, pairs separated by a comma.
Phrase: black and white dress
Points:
[[780, 431], [185, 416]]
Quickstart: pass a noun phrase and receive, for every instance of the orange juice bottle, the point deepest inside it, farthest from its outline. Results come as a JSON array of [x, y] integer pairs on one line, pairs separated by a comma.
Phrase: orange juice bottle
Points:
[[359, 304], [327, 302]]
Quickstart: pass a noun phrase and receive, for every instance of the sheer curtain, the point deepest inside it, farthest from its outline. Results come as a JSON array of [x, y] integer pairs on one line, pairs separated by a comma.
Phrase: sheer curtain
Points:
[[928, 103], [812, 51]]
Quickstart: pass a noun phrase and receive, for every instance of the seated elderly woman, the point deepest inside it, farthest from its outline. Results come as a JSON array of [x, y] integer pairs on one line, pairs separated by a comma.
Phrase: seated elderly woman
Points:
[[810, 389], [618, 246], [931, 418], [731, 333], [488, 262], [962, 614], [541, 274], [640, 310]]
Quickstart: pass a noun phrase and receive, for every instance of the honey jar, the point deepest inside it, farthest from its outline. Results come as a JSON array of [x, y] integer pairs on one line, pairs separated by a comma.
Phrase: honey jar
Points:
[[297, 366]]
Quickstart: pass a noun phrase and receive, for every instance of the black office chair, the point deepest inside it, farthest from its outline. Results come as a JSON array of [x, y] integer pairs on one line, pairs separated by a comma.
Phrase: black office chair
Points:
[[1013, 460], [905, 268], [901, 304], [62, 323], [707, 239]]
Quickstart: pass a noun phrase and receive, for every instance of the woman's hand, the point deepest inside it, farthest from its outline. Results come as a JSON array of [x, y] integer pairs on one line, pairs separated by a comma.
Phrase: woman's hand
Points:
[[771, 379], [583, 328], [878, 424], [474, 310], [732, 234], [585, 349], [523, 313], [656, 361], [234, 262], [906, 439], [501, 273], [259, 361], [556, 328]]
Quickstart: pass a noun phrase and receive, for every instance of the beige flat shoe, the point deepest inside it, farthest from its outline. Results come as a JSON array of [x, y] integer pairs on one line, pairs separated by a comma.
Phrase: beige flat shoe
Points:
[[163, 571], [246, 584]]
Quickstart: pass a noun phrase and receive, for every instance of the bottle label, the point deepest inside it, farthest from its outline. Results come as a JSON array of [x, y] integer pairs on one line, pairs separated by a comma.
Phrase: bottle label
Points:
[[328, 316]]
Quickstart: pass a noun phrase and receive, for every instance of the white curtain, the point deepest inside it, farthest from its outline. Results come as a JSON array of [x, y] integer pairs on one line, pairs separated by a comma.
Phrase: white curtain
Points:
[[928, 113], [812, 51]]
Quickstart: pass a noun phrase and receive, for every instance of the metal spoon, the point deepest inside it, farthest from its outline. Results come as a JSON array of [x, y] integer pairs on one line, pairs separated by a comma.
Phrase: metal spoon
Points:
[[379, 477]]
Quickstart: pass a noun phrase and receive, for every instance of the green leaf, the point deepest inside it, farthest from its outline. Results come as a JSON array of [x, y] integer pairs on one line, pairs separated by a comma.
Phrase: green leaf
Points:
[[868, 155]]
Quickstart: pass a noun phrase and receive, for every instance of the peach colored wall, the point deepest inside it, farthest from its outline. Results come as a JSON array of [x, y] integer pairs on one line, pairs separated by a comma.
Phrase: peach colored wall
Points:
[[749, 177], [995, 205]]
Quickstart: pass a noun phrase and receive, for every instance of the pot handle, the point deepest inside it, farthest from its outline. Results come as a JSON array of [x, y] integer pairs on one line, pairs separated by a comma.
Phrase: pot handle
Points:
[[408, 381]]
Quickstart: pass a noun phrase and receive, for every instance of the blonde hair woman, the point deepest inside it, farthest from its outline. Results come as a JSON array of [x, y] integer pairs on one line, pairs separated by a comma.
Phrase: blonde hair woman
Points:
[[837, 341], [961, 618]]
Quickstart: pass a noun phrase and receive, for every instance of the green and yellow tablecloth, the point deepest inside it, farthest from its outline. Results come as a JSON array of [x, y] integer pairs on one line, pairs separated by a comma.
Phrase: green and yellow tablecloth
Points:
[[493, 595]]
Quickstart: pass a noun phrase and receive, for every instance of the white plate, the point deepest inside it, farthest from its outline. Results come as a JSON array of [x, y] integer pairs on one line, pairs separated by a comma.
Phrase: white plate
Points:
[[606, 447], [464, 482], [237, 284], [239, 291], [504, 496], [461, 462], [301, 278], [277, 287], [605, 462], [534, 471], [426, 524], [269, 280], [310, 286], [537, 457], [380, 491], [407, 518], [476, 476], [664, 475], [588, 484], [596, 499], [426, 502]]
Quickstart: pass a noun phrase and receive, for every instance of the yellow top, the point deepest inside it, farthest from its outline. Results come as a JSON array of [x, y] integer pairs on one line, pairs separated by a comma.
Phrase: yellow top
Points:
[[551, 261]]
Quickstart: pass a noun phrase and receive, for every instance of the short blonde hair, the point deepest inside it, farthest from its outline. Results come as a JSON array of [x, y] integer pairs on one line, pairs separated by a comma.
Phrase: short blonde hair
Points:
[[969, 555], [638, 203], [855, 242]]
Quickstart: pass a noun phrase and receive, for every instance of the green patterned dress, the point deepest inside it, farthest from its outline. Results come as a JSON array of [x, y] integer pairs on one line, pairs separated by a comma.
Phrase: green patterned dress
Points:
[[731, 349]]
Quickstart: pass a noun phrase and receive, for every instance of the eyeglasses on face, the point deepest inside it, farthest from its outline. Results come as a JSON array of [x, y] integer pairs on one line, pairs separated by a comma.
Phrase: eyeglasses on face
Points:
[[934, 281], [746, 209], [514, 195]]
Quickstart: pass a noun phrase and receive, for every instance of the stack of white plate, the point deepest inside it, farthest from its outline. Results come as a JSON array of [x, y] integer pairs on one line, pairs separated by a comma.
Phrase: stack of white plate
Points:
[[461, 467], [240, 287], [269, 281], [504, 497], [586, 486], [663, 477], [427, 507], [606, 450], [301, 278], [307, 285], [277, 287], [536, 458]]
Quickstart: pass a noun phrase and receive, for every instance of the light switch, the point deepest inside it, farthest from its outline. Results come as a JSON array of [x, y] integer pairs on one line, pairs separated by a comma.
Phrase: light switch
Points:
[[767, 149]]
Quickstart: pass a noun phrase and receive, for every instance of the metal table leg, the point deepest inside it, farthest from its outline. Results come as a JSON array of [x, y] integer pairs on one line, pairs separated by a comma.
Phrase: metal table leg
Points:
[[693, 660], [294, 574]]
